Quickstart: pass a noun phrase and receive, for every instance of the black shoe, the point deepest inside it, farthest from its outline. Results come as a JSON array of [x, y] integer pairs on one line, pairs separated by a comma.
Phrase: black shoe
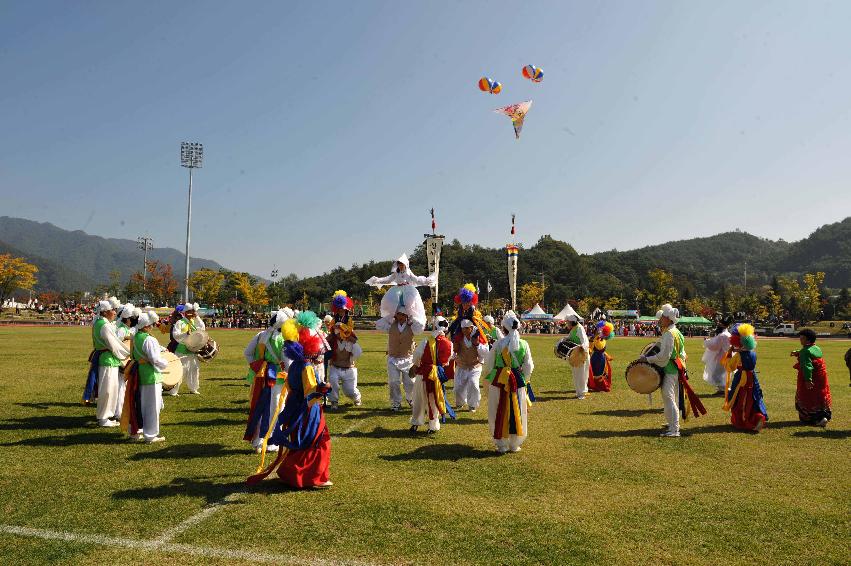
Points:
[[413, 428], [431, 431]]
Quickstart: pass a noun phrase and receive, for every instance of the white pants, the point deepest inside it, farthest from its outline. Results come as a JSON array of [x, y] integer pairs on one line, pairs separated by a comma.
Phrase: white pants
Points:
[[467, 391], [119, 401], [421, 404], [513, 441], [257, 441], [395, 377], [191, 373], [107, 393], [580, 379], [670, 397], [349, 379], [152, 404]]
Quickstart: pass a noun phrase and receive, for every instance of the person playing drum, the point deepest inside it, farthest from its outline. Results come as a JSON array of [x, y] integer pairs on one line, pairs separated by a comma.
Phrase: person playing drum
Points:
[[148, 364], [578, 336], [672, 358], [190, 323]]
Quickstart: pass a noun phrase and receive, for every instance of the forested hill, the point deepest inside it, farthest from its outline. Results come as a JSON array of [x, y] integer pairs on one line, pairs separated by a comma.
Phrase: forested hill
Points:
[[74, 260], [700, 267], [70, 261]]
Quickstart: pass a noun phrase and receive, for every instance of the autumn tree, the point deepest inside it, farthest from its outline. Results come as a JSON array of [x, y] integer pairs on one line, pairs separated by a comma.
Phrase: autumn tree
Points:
[[661, 289], [251, 293], [15, 273], [206, 285], [810, 303], [531, 293], [161, 285]]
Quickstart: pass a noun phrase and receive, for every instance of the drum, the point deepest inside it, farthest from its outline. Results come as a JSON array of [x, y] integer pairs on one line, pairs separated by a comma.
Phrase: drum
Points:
[[564, 347], [197, 340], [644, 377], [173, 373], [209, 351]]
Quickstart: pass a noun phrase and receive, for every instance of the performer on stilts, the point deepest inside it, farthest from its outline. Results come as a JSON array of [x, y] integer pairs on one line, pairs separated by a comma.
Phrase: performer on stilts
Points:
[[430, 360], [743, 396], [600, 368], [305, 457], [508, 368], [812, 396], [402, 317]]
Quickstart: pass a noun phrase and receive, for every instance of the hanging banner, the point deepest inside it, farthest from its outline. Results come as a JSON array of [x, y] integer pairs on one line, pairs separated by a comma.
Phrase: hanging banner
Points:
[[433, 244], [512, 251]]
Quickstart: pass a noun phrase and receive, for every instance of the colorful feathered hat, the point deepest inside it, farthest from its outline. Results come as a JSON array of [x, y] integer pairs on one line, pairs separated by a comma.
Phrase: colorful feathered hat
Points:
[[302, 330], [467, 294], [341, 301], [743, 336], [606, 330]]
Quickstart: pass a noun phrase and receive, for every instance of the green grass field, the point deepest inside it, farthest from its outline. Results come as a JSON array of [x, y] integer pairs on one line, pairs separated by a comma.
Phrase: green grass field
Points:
[[593, 484]]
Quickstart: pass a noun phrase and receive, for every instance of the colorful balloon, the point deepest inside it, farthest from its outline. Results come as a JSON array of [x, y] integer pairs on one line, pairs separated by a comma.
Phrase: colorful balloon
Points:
[[488, 85], [533, 73]]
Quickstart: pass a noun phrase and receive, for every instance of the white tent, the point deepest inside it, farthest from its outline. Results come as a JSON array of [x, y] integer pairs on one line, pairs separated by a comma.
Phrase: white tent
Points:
[[536, 313], [567, 311]]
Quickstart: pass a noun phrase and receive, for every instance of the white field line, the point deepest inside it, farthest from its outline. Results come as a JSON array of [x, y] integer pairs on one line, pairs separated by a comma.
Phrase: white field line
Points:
[[166, 547], [171, 533]]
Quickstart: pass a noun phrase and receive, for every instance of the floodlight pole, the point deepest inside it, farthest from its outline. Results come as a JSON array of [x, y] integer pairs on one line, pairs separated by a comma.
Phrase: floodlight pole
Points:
[[191, 157], [188, 231]]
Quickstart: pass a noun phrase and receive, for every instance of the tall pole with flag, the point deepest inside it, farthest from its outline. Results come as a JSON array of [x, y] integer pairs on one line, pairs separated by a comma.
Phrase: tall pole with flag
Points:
[[433, 244], [512, 251]]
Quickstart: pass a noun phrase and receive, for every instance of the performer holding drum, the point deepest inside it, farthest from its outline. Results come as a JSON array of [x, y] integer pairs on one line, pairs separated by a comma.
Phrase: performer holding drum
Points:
[[579, 359], [671, 357], [184, 328]]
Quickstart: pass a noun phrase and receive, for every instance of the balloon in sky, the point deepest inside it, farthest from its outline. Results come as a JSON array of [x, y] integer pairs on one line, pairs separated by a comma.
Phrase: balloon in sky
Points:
[[533, 73], [517, 113], [488, 85]]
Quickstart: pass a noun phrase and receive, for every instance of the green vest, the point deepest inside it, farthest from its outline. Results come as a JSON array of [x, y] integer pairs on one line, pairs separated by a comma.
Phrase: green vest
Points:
[[272, 353], [181, 349], [574, 335], [516, 360], [148, 373], [678, 351], [106, 358]]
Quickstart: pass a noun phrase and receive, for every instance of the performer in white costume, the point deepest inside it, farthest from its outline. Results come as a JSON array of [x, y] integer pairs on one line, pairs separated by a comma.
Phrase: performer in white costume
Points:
[[403, 292], [714, 372], [469, 355], [190, 323]]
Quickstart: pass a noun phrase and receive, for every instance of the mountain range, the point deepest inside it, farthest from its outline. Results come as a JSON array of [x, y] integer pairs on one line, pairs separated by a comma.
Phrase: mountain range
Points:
[[74, 260]]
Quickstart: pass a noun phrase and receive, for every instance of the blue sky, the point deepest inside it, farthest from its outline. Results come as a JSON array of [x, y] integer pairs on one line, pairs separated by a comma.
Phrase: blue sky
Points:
[[330, 128]]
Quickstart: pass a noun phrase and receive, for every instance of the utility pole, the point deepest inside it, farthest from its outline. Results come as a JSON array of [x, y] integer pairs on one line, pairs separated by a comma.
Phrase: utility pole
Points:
[[145, 243]]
